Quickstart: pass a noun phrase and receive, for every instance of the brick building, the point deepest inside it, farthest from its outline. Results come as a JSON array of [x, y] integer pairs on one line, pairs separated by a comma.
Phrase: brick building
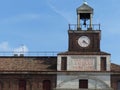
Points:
[[83, 67]]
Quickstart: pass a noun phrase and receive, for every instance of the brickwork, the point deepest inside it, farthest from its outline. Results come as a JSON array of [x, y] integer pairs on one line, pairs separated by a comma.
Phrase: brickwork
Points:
[[114, 81], [33, 82], [115, 77], [115, 67]]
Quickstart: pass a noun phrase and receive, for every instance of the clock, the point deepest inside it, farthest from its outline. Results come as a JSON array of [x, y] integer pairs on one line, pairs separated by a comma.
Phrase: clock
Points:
[[84, 41]]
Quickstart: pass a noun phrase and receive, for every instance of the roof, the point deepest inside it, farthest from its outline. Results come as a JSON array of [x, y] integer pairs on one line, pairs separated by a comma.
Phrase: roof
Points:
[[36, 64], [83, 53], [85, 7], [28, 63], [115, 67]]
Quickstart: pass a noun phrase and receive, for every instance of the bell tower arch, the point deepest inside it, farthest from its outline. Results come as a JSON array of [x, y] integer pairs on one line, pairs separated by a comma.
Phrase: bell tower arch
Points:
[[84, 13]]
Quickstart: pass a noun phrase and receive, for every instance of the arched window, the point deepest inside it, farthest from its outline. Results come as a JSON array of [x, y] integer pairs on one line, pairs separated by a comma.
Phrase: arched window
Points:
[[46, 85]]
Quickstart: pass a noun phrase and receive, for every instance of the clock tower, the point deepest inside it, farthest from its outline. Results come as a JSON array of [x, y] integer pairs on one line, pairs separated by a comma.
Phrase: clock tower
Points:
[[84, 65], [84, 45], [86, 37]]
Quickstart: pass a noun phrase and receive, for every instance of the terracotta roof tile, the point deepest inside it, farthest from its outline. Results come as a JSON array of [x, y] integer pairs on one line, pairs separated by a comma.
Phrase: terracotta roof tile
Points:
[[28, 63], [115, 67]]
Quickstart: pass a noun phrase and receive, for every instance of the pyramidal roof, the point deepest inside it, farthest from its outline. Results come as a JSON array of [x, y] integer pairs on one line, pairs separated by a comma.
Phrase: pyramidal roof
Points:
[[85, 7]]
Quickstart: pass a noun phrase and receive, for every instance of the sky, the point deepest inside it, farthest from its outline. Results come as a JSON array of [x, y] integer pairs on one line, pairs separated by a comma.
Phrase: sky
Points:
[[42, 25]]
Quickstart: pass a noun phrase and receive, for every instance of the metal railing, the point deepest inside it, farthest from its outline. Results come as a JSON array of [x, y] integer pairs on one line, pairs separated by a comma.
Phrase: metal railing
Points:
[[84, 27], [33, 53]]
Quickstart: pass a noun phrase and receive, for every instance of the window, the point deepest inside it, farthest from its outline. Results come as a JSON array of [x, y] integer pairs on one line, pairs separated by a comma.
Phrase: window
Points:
[[46, 85], [22, 84], [103, 63], [118, 85], [1, 86], [64, 63], [83, 84]]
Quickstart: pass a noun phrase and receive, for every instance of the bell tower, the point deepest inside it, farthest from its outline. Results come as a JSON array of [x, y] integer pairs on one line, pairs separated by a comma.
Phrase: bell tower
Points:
[[84, 13], [84, 36]]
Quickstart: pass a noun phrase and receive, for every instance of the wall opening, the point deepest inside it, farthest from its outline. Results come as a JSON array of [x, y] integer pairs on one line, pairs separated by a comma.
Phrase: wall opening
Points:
[[63, 63], [83, 83], [46, 85], [103, 64], [1, 86], [118, 85], [22, 84]]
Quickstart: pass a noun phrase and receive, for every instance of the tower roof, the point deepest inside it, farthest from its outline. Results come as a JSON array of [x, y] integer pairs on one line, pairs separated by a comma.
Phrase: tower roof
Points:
[[84, 8]]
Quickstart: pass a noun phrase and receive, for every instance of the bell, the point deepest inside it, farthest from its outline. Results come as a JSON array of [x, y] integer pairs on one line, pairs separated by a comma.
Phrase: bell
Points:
[[84, 23]]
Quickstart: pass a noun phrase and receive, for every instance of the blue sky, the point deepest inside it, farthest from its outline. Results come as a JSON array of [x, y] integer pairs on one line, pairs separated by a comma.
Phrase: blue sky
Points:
[[41, 25]]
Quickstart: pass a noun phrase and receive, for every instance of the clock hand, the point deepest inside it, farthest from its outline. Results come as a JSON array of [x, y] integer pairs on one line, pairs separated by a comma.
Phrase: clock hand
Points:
[[85, 42]]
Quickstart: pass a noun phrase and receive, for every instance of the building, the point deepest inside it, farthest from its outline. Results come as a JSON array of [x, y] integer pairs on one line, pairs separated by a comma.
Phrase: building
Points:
[[83, 67]]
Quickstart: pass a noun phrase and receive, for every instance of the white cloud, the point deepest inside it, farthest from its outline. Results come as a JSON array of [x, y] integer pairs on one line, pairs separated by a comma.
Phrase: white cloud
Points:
[[5, 47]]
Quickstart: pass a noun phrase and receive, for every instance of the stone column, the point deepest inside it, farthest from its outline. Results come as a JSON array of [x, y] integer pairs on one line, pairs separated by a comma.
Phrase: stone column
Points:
[[78, 21], [90, 20]]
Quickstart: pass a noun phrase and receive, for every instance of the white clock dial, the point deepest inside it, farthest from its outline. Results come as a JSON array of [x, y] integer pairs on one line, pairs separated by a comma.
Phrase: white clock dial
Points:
[[84, 41]]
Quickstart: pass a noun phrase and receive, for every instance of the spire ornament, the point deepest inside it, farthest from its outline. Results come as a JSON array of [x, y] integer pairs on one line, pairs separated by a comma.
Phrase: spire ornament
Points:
[[85, 2]]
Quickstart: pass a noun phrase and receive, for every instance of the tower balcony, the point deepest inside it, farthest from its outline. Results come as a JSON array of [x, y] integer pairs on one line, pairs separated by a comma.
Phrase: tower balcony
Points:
[[84, 27]]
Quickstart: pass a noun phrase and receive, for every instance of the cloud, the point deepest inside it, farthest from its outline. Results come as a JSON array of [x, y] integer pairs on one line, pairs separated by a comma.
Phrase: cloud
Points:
[[5, 47], [20, 18], [21, 50]]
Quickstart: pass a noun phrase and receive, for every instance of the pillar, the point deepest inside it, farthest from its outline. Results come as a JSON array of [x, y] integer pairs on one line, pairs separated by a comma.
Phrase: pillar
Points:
[[90, 20], [78, 21]]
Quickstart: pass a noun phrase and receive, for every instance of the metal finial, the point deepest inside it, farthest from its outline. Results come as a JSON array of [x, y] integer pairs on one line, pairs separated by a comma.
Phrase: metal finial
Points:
[[85, 2]]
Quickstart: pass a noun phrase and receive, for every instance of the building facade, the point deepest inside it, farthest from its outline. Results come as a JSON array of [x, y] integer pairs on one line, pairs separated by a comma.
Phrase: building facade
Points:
[[89, 67], [83, 67]]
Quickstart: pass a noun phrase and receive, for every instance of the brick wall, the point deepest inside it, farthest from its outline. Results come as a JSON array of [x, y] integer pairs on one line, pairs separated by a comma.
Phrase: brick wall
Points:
[[33, 82], [114, 81]]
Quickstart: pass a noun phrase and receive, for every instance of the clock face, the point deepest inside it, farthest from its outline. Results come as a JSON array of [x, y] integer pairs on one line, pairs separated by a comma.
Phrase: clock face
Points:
[[84, 41]]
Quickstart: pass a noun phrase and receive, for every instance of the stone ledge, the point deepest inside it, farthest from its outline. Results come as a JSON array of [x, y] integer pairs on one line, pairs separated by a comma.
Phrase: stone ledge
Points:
[[82, 89]]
